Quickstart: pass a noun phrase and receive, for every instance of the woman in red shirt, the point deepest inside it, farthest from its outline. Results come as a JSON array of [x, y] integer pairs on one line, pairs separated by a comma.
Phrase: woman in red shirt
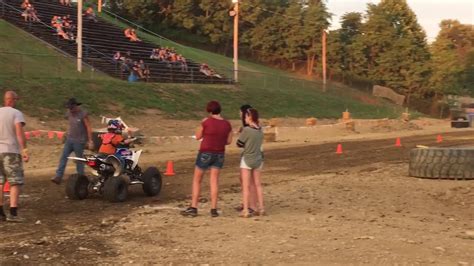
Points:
[[216, 133]]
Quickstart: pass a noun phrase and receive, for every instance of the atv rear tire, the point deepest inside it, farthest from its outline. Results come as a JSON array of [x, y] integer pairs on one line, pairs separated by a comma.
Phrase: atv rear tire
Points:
[[77, 187], [442, 163], [115, 189], [151, 181]]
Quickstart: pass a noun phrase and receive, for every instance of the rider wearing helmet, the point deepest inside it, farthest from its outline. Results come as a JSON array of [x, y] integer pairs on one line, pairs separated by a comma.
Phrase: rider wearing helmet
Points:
[[112, 138]]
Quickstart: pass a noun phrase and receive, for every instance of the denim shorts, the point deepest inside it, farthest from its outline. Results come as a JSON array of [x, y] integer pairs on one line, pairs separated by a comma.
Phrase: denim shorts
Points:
[[206, 160]]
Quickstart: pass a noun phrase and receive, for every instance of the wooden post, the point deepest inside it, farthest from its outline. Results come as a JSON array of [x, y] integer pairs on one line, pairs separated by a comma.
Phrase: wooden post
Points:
[[324, 58], [236, 40], [79, 35]]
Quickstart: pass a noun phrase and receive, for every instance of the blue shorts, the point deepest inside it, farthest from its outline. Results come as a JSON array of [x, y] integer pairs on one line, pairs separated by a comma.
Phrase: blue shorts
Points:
[[206, 160]]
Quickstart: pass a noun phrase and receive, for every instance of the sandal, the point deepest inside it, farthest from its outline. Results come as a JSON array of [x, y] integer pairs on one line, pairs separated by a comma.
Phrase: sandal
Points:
[[239, 208], [252, 211], [260, 212], [246, 214]]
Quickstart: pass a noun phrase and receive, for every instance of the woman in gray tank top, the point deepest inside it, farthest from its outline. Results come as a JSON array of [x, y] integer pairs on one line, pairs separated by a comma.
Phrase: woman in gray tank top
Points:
[[251, 164]]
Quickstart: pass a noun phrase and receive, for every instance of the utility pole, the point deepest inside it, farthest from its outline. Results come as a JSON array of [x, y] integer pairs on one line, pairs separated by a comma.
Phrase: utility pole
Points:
[[79, 35], [236, 39], [99, 6], [324, 58]]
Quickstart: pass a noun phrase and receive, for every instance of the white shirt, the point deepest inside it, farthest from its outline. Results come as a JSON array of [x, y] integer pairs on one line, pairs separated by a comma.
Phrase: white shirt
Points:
[[9, 117]]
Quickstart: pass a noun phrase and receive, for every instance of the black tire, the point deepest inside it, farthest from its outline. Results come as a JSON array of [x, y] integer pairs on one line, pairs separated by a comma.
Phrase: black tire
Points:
[[115, 189], [77, 187], [442, 163], [152, 181]]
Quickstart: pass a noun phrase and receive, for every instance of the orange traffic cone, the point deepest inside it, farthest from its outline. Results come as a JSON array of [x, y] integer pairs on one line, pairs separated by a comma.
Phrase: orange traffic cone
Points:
[[60, 134], [398, 143], [169, 169], [439, 139], [339, 149], [6, 187]]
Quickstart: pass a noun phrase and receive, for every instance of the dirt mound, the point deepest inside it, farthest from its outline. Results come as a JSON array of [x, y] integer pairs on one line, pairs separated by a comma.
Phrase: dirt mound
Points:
[[386, 125]]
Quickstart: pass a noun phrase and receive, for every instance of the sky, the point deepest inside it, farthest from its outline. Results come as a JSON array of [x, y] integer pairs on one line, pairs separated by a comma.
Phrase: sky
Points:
[[429, 12]]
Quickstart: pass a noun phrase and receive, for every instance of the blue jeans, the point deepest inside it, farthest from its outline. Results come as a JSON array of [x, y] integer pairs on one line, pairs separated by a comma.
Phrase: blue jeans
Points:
[[69, 147]]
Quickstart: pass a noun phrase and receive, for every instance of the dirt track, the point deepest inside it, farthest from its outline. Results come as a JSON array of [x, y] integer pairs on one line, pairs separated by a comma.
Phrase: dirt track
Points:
[[359, 207]]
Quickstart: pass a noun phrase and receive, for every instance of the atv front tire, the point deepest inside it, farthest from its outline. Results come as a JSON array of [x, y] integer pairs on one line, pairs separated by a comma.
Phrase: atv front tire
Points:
[[151, 181], [77, 187], [115, 189]]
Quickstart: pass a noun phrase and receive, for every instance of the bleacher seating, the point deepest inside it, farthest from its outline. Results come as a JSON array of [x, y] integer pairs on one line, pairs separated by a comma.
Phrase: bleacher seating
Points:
[[100, 41]]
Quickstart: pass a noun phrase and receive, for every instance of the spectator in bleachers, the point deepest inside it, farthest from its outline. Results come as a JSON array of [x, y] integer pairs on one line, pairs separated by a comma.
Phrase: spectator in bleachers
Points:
[[127, 62], [29, 12], [173, 57], [155, 54], [137, 69], [133, 75], [131, 35], [163, 55], [68, 25], [118, 57], [67, 20], [64, 27], [25, 3], [65, 2], [90, 14], [169, 56], [184, 64], [206, 70], [145, 71], [56, 21]]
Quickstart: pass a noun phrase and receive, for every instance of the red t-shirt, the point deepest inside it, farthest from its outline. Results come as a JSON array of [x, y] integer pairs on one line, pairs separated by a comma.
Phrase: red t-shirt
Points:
[[214, 135]]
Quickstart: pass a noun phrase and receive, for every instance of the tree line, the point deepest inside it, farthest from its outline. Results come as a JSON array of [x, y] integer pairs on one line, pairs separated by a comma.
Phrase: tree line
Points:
[[385, 45]]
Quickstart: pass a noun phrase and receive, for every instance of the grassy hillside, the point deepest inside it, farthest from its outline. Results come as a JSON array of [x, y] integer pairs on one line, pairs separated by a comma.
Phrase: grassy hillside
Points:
[[44, 84], [37, 60]]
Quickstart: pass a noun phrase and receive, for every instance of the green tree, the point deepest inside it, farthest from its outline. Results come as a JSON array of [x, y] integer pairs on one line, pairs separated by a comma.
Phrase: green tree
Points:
[[268, 40], [292, 22], [397, 53], [452, 59], [215, 21], [350, 32], [184, 14], [346, 53], [145, 12], [252, 14], [315, 20]]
